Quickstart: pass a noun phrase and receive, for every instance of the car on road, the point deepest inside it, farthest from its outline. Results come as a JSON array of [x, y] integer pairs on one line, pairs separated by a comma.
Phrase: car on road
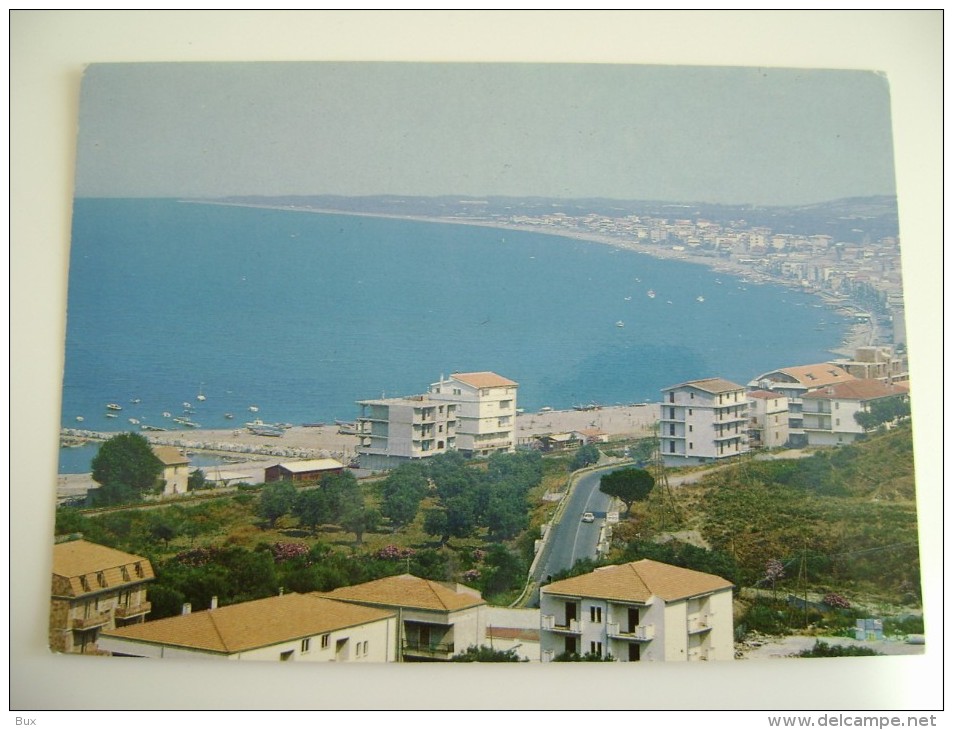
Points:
[[588, 517]]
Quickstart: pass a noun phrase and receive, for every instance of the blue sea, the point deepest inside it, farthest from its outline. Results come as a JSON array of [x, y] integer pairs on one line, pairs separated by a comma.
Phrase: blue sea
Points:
[[301, 314]]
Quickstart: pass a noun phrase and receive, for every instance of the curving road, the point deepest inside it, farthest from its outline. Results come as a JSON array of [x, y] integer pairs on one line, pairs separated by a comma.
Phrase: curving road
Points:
[[572, 539]]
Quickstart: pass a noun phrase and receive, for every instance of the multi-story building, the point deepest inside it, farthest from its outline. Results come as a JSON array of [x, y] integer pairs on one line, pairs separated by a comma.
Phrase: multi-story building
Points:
[[640, 611], [701, 421], [395, 430], [829, 413], [876, 362], [94, 588], [485, 410], [290, 627], [767, 420], [793, 383], [474, 413], [435, 620]]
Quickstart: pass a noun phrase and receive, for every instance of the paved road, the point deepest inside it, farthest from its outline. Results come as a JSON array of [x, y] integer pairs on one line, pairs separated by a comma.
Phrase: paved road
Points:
[[572, 538]]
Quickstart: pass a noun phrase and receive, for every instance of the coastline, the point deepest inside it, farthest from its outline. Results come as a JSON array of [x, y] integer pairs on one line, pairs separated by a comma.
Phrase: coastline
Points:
[[857, 334], [250, 453]]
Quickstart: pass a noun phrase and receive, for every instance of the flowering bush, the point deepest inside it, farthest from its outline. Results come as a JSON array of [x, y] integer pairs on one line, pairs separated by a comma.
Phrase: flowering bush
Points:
[[835, 600], [197, 557], [478, 555], [773, 570], [471, 576], [288, 551], [393, 552]]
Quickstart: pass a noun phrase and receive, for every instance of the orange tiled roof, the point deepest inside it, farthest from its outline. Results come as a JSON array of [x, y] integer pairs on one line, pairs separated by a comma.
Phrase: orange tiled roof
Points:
[[253, 624], [407, 591], [813, 376], [860, 390], [483, 379], [102, 567], [170, 455], [638, 582], [765, 394]]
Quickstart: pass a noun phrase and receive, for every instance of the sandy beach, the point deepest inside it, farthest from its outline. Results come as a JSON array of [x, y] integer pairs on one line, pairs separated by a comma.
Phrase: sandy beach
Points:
[[249, 454]]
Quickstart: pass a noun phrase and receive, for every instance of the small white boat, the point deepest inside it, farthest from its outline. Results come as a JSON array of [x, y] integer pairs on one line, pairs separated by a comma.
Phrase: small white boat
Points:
[[699, 299], [229, 416], [620, 323], [136, 400], [186, 405], [186, 422], [134, 421], [253, 409], [166, 414], [111, 415], [80, 419], [628, 299], [546, 409], [114, 406], [201, 395], [651, 294]]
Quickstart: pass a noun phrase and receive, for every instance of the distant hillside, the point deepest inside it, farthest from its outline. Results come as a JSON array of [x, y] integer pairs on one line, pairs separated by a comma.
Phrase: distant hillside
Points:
[[849, 219]]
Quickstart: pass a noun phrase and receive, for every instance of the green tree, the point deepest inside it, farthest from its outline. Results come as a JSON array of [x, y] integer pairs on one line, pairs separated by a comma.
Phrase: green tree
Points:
[[628, 485], [277, 499], [584, 456], [197, 480], [127, 459], [112, 493], [360, 519], [437, 524], [402, 492], [313, 507]]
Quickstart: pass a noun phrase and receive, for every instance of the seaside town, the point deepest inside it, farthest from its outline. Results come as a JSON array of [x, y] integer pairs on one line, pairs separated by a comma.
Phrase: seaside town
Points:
[[452, 525]]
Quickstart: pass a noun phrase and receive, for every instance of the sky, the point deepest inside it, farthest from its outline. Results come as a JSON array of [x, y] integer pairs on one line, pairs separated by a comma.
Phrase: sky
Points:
[[742, 135]]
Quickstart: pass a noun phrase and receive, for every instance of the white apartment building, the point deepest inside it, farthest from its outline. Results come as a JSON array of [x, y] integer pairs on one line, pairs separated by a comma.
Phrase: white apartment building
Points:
[[701, 421], [829, 413], [394, 430], [876, 362], [767, 420], [639, 611], [793, 383], [290, 627], [485, 411], [474, 413]]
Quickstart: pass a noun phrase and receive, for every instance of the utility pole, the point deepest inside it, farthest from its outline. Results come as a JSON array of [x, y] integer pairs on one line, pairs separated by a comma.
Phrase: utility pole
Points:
[[660, 474]]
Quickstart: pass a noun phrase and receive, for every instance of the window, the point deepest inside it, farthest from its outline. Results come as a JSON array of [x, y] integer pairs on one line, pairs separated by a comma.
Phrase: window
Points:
[[325, 641], [671, 397], [357, 651], [305, 645], [691, 445], [691, 428], [84, 584], [365, 648], [690, 411], [671, 429], [287, 655], [101, 579], [595, 647], [595, 614], [671, 413], [671, 447], [125, 572], [138, 568]]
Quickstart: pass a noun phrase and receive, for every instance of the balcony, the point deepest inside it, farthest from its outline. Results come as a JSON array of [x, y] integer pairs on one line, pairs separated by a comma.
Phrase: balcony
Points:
[[571, 627], [645, 632], [700, 623], [427, 649], [94, 620], [126, 612]]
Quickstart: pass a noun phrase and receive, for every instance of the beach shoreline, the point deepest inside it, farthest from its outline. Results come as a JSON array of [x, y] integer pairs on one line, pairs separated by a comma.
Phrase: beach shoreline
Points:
[[252, 453]]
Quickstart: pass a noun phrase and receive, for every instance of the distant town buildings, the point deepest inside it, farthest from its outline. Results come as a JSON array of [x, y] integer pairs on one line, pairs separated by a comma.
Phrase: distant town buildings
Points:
[[474, 413], [640, 611], [701, 421], [94, 589]]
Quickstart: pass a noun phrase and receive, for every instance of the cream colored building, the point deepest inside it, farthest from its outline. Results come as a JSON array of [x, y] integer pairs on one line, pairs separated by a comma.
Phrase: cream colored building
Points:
[[175, 469], [768, 422], [290, 627], [639, 611], [485, 411], [94, 588], [435, 620], [701, 421]]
